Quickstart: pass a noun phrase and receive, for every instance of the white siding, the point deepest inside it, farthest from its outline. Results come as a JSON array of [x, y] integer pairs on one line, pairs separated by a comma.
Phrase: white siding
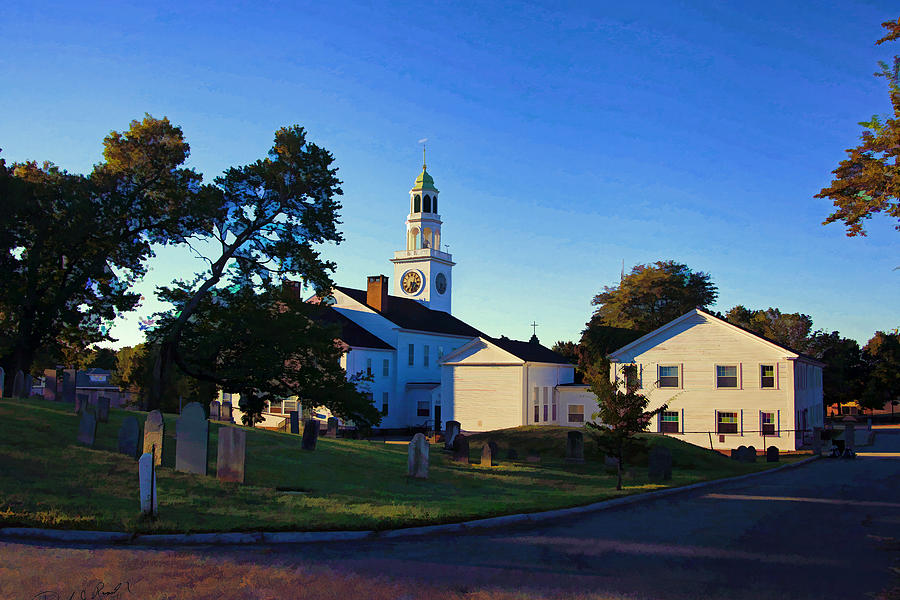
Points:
[[486, 397]]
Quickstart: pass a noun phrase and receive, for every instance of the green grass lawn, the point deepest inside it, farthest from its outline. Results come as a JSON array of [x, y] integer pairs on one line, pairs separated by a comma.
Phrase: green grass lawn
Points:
[[48, 480]]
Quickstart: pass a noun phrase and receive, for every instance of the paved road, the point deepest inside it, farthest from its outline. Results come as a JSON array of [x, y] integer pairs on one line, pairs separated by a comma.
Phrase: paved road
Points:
[[824, 530]]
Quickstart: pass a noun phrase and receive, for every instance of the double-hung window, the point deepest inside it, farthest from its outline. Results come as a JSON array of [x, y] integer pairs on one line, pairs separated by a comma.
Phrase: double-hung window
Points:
[[384, 403], [537, 404], [385, 367], [425, 359], [668, 376], [727, 422], [423, 408], [368, 367], [767, 377], [412, 354], [576, 413], [767, 423], [726, 376], [668, 422]]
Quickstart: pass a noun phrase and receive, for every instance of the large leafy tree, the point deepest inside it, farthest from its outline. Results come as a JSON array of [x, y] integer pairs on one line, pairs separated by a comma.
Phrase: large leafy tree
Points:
[[793, 330], [651, 296], [71, 245], [867, 182], [882, 358], [269, 216]]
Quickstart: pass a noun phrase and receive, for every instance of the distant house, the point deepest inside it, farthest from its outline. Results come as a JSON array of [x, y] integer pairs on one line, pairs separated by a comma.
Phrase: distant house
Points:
[[725, 386], [98, 382]]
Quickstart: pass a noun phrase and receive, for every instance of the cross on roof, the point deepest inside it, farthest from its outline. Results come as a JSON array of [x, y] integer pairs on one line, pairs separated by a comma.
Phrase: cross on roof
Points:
[[534, 326]]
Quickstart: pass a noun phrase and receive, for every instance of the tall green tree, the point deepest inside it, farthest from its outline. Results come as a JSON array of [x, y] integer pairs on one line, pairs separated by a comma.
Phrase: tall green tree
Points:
[[882, 358], [72, 245], [269, 217], [793, 330], [867, 182]]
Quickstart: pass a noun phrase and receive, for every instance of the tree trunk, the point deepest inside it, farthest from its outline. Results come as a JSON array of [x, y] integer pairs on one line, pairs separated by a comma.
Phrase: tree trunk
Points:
[[621, 458], [20, 359]]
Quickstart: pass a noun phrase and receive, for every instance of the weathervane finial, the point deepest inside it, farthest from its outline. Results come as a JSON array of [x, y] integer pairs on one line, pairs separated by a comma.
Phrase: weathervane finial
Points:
[[423, 157]]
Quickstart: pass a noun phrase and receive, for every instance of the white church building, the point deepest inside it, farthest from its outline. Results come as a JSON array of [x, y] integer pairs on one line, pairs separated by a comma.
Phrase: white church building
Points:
[[428, 367]]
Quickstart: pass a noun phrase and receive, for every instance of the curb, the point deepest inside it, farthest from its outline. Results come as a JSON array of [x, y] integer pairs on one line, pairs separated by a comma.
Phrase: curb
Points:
[[293, 537]]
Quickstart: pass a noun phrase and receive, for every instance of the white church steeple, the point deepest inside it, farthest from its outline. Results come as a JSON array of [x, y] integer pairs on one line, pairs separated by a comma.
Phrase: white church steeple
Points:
[[422, 270]]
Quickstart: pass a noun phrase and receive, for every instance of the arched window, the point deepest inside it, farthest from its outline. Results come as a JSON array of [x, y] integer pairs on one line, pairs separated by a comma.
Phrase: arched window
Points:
[[427, 207], [417, 204], [434, 205], [413, 241], [426, 237]]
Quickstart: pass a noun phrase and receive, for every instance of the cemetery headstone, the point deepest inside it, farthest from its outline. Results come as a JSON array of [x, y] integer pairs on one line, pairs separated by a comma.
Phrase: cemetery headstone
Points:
[[68, 385], [417, 461], [214, 407], [512, 454], [81, 403], [103, 409], [27, 385], [50, 384], [739, 454], [19, 385], [226, 412], [129, 433], [750, 454], [849, 436], [295, 421], [659, 464], [575, 447], [772, 454], [3, 393], [147, 475], [232, 451], [450, 434], [332, 427], [817, 441], [461, 449], [487, 456], [87, 428], [310, 434], [191, 440], [154, 427]]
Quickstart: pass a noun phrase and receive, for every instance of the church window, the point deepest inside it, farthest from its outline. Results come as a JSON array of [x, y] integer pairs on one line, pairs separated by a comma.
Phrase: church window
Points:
[[576, 413], [384, 403], [440, 352], [553, 408], [427, 206], [537, 405], [423, 408], [425, 357], [368, 367], [434, 204], [412, 354], [546, 405], [385, 367], [417, 206]]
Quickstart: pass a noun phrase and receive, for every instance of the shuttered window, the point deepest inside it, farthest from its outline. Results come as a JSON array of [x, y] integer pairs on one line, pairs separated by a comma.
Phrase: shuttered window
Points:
[[669, 422], [767, 376], [385, 367], [668, 376], [727, 422], [726, 376]]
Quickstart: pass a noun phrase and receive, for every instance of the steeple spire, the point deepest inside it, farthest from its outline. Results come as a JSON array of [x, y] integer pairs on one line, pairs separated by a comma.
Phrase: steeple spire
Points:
[[424, 166]]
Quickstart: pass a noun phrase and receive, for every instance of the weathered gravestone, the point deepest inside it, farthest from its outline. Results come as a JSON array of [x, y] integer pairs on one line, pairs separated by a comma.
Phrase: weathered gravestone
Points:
[[103, 409], [68, 385], [332, 427], [450, 434], [82, 402], [50, 384], [230, 458], [489, 456], [772, 454], [512, 454], [226, 413], [659, 464], [310, 434], [738, 453], [295, 421], [87, 428], [817, 441], [214, 407], [129, 433], [27, 385], [750, 454], [19, 385], [575, 447], [147, 475], [191, 440], [461, 449], [154, 427], [417, 461], [849, 437]]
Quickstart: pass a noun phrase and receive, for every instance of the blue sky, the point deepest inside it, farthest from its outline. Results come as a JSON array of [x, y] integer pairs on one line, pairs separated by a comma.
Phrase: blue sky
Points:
[[564, 138]]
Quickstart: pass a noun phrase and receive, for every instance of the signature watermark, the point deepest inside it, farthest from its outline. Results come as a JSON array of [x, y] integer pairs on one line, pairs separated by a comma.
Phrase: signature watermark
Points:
[[121, 590]]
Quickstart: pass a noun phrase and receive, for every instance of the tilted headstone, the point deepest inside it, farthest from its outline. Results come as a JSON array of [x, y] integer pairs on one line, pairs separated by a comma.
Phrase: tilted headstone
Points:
[[231, 454], [82, 403], [659, 464], [26, 387], [817, 441], [849, 436], [487, 456], [226, 413], [87, 428], [575, 447], [332, 427], [512, 454], [50, 384], [147, 475], [191, 440], [310, 434], [461, 449], [19, 385], [214, 408], [295, 421], [129, 433], [154, 428], [750, 454], [68, 385], [772, 454], [450, 434], [417, 461], [103, 409]]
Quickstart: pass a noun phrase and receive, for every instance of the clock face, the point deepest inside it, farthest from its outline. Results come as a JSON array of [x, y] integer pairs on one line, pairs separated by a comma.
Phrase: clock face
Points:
[[440, 283], [411, 282]]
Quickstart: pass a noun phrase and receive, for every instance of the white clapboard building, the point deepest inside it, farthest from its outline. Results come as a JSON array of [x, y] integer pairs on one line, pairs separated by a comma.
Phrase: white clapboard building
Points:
[[725, 386]]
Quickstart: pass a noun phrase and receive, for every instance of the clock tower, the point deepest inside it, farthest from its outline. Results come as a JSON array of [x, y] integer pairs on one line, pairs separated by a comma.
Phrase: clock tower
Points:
[[422, 271]]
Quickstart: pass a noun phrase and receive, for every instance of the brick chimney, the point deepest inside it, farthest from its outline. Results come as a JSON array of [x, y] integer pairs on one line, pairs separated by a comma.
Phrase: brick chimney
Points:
[[377, 292]]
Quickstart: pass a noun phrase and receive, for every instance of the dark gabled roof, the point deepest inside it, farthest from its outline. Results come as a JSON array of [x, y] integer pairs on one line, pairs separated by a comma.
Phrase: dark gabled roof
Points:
[[412, 314], [529, 351], [351, 333]]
